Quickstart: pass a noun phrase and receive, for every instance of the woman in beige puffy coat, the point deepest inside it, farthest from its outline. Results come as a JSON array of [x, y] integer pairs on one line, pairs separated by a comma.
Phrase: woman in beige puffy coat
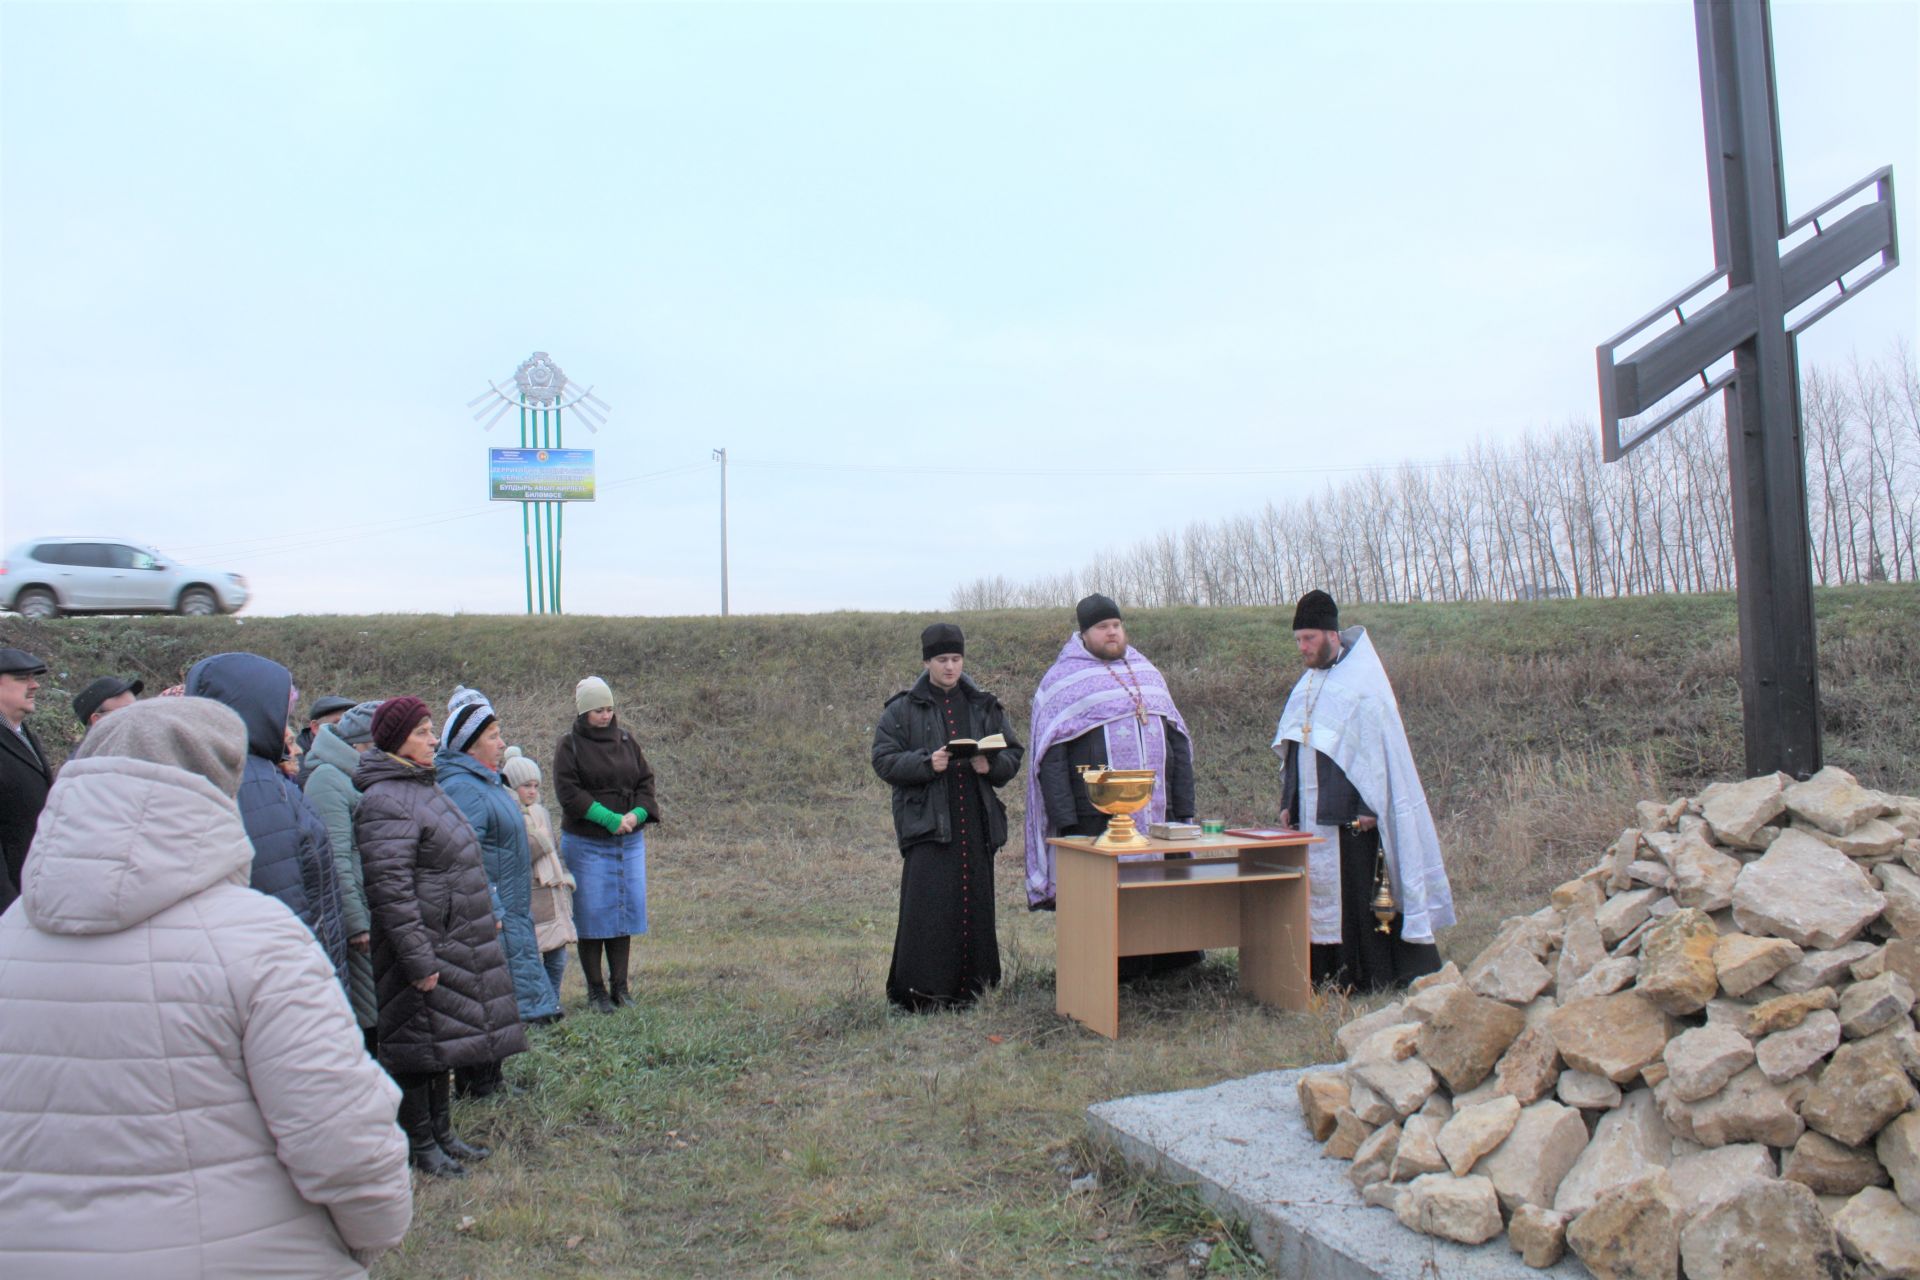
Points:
[[183, 1091]]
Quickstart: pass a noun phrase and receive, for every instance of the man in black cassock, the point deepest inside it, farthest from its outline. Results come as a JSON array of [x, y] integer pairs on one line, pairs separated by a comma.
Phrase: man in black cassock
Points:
[[1347, 774], [949, 820]]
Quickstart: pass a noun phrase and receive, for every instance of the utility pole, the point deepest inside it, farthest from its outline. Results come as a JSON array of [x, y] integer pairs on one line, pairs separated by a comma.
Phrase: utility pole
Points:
[[721, 456]]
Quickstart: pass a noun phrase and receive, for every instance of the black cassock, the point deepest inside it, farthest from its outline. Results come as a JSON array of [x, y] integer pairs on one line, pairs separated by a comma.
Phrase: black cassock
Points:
[[1364, 958], [945, 952]]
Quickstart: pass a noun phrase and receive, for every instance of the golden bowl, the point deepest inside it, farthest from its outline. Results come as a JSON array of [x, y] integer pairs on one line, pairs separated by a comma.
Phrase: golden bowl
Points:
[[1120, 793]]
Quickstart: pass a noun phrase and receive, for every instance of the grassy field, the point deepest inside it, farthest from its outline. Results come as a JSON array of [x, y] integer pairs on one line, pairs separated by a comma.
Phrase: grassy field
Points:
[[762, 1113]]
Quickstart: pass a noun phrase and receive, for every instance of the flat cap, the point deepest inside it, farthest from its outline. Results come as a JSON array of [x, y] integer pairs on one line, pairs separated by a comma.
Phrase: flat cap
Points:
[[88, 700], [18, 662]]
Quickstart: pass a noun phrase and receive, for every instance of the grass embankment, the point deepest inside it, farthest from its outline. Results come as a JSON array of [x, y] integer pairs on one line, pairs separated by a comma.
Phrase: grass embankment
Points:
[[762, 1113]]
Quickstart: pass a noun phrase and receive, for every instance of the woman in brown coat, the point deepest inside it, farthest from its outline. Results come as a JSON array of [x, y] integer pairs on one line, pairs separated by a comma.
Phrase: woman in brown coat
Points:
[[605, 789], [446, 996]]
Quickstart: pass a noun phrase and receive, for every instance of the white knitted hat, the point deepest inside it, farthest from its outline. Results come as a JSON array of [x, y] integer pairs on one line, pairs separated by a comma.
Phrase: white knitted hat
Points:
[[591, 694]]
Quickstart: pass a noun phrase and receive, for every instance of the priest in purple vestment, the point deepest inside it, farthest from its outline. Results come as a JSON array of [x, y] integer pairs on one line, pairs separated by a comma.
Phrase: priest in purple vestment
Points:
[[1102, 703]]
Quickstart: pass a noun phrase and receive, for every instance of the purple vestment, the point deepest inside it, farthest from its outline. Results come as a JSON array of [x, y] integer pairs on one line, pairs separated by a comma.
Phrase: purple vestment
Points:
[[1080, 693]]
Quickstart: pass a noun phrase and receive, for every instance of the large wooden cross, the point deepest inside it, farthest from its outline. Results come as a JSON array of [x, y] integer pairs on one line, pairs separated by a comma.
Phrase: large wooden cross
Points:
[[1744, 309]]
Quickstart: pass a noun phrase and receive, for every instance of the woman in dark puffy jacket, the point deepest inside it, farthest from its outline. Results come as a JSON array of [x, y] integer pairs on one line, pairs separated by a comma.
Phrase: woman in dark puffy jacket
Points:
[[446, 998]]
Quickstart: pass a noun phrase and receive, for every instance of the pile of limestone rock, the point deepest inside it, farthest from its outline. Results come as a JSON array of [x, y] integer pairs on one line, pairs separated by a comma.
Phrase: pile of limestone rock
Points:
[[1698, 1060]]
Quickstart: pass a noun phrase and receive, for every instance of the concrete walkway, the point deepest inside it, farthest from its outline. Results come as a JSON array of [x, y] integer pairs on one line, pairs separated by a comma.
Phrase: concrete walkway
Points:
[[1245, 1149]]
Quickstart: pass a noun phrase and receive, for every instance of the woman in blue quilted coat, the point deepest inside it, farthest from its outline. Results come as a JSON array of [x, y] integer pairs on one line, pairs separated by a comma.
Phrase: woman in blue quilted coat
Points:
[[471, 754]]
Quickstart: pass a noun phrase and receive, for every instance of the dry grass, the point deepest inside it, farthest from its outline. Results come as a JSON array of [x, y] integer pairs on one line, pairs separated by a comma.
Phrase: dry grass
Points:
[[763, 1113]]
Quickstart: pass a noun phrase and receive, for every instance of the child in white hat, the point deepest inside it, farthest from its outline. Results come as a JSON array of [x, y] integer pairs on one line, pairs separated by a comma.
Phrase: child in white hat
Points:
[[552, 882]]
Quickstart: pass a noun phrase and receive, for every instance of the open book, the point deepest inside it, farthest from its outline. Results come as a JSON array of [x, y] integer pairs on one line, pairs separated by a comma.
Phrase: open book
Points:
[[961, 748]]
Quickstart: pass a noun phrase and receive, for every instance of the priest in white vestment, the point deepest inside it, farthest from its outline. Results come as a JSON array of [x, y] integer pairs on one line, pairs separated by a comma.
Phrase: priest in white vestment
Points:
[[1347, 775]]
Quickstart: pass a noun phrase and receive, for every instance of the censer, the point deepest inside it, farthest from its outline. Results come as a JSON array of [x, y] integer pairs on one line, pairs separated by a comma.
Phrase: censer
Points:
[[1383, 905]]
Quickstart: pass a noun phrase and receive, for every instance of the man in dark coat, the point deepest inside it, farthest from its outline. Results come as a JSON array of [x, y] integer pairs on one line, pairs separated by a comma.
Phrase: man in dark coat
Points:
[[292, 857], [25, 775], [949, 819]]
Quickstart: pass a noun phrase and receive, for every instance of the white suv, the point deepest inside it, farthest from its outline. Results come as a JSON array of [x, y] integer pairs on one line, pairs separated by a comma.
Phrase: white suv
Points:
[[52, 576]]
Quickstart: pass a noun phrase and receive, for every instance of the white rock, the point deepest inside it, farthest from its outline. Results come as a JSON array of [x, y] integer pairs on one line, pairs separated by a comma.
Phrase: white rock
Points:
[[1528, 1166], [1805, 892], [1623, 913], [1902, 890], [1871, 839], [1703, 877], [1790, 1054], [1459, 1209], [1587, 1091], [1881, 1233], [1706, 1176], [1610, 975], [1476, 1130], [1821, 968], [1701, 1061], [1898, 1147], [1874, 1005], [1738, 810], [1628, 1143], [1833, 801]]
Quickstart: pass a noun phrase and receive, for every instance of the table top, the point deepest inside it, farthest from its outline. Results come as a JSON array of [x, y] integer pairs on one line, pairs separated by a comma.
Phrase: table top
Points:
[[1201, 844]]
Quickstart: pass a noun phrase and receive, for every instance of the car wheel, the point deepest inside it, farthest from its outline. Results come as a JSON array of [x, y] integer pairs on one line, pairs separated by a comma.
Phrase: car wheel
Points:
[[198, 602], [37, 602]]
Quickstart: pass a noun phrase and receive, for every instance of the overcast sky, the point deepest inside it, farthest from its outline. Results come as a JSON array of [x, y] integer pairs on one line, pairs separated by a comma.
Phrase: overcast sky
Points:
[[913, 265]]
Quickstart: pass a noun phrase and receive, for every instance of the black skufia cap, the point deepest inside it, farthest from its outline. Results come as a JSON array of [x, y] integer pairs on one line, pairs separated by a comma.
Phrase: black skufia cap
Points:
[[941, 637], [1094, 610], [1316, 612]]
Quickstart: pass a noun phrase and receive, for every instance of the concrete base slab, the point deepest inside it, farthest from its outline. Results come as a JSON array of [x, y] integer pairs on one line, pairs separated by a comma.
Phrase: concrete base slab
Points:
[[1245, 1149]]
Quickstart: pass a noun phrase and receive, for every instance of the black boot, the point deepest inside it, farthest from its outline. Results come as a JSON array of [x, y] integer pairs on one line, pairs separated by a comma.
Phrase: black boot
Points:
[[618, 950], [440, 1108], [597, 997], [416, 1121]]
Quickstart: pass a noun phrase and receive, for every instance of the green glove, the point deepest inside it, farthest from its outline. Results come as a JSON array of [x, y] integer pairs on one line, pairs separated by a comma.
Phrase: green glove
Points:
[[640, 818], [606, 817]]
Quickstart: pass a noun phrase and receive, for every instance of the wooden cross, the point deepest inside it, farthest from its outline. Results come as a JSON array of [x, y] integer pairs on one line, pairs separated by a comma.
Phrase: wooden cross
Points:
[[1750, 320]]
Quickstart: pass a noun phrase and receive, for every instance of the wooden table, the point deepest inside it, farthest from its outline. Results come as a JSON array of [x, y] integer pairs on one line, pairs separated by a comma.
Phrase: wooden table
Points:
[[1230, 892]]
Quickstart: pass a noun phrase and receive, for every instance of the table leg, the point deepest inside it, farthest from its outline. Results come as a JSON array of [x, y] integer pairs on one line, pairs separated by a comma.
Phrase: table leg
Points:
[[1087, 939], [1275, 963]]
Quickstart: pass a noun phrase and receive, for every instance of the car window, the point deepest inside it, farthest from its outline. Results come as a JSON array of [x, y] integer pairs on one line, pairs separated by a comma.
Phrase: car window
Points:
[[119, 555], [83, 554], [142, 559]]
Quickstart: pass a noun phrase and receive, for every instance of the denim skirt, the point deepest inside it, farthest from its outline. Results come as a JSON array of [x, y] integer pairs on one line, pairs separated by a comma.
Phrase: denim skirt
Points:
[[610, 895]]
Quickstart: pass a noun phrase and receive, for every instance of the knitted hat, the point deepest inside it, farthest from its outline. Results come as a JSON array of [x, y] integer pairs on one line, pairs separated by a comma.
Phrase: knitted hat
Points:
[[1316, 612], [198, 735], [591, 694], [356, 726], [468, 715], [519, 771], [941, 637], [1094, 610], [395, 720]]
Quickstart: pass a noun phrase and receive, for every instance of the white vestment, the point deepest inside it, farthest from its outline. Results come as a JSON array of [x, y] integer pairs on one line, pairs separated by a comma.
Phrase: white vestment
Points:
[[1356, 723]]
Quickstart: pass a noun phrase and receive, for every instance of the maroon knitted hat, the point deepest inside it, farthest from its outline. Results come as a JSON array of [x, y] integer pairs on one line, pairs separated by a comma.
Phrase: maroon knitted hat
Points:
[[395, 720]]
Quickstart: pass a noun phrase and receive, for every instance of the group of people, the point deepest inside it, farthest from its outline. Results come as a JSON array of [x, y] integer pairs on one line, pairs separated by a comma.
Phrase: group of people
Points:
[[1347, 776], [253, 968], [241, 953]]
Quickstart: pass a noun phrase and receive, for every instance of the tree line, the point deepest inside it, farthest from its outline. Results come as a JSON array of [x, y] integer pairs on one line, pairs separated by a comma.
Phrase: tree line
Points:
[[1541, 517]]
